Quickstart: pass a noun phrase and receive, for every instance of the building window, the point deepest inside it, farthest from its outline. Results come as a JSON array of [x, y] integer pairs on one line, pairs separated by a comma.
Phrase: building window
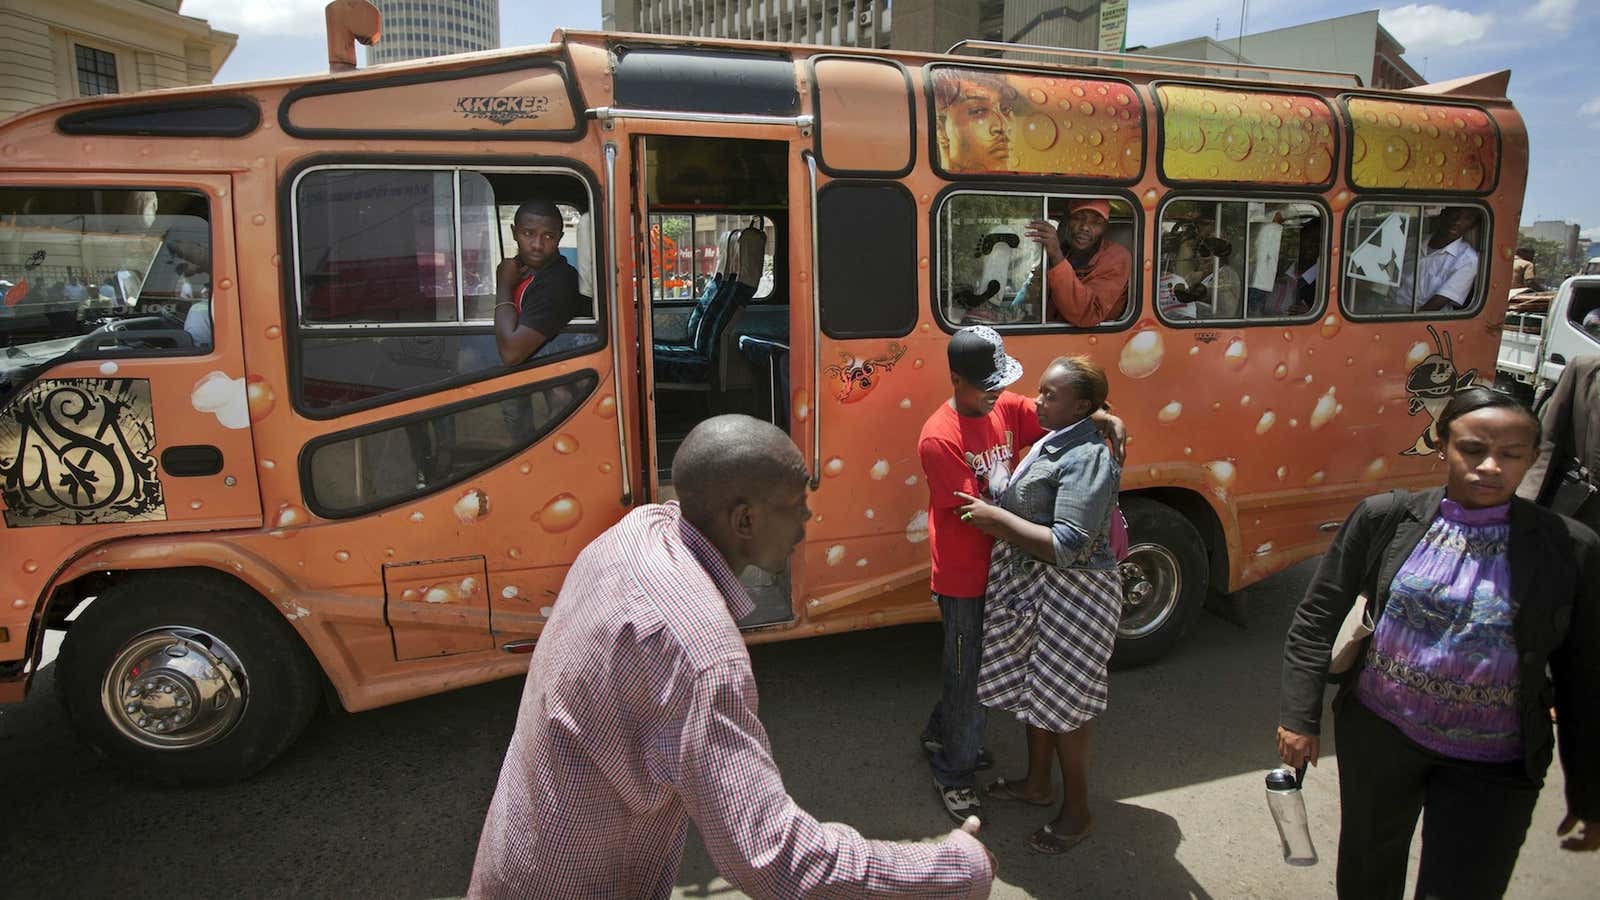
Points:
[[97, 71]]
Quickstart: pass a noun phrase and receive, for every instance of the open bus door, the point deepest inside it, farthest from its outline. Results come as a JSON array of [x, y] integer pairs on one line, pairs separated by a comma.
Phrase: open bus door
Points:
[[718, 343]]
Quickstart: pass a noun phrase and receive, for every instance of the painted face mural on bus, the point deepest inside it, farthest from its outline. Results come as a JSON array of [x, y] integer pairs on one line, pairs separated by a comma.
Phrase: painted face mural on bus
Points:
[[1026, 124]]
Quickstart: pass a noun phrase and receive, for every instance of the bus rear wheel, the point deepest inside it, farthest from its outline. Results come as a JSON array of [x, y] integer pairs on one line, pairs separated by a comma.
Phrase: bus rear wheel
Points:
[[1163, 581], [186, 678]]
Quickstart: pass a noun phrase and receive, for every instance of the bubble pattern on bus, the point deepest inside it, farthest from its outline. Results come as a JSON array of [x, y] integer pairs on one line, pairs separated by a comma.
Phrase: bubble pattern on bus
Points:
[[987, 121], [1211, 134], [1421, 146]]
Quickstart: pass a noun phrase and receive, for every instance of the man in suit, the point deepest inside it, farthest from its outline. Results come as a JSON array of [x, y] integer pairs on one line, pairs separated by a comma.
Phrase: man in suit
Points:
[[1569, 436]]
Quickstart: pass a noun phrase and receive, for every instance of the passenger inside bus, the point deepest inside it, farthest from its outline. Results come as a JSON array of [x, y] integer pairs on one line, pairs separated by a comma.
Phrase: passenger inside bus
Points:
[[1407, 259], [1087, 274], [1448, 267], [536, 289], [1294, 289], [974, 113]]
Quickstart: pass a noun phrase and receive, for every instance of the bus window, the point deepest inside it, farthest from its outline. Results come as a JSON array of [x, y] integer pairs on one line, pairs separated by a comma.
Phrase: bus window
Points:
[[688, 249], [993, 273], [396, 283], [374, 468], [1408, 259], [1238, 260], [102, 272]]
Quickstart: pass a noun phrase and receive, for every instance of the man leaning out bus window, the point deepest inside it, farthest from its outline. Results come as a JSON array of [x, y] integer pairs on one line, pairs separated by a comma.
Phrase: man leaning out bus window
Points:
[[1087, 274], [536, 291]]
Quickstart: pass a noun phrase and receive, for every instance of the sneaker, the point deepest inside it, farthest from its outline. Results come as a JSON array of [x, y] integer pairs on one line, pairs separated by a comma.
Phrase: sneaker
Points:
[[959, 802], [931, 746]]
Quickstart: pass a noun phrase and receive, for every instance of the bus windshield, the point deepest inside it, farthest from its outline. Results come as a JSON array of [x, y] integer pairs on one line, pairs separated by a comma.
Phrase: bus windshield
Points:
[[91, 272]]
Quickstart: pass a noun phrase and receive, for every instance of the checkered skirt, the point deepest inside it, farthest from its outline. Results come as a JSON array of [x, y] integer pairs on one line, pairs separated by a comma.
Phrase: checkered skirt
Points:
[[1047, 639]]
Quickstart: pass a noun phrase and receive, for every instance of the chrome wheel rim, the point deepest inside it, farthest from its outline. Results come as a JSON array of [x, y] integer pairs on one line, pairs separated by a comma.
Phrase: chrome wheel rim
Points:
[[1151, 583], [174, 688]]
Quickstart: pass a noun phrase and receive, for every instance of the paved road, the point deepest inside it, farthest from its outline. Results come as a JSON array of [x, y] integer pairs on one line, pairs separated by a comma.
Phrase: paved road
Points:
[[389, 803]]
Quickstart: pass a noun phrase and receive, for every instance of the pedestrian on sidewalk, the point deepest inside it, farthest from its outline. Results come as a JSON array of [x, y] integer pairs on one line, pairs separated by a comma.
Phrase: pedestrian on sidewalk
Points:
[[1486, 609]]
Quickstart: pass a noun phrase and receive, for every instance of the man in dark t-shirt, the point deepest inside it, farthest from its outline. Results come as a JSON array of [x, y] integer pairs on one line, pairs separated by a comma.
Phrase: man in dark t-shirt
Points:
[[536, 291]]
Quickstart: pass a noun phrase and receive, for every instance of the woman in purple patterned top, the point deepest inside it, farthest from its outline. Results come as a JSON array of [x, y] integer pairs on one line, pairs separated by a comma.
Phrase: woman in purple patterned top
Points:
[[1488, 613]]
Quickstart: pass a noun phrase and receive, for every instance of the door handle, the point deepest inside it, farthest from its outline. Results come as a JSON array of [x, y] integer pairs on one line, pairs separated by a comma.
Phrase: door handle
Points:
[[191, 460]]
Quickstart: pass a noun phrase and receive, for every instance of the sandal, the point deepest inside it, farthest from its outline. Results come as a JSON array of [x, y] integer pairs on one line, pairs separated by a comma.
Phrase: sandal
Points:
[[1001, 789], [1045, 841]]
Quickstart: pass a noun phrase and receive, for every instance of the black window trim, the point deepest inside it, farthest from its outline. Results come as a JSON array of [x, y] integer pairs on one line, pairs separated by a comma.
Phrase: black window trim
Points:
[[1318, 309], [115, 353], [1055, 189], [289, 277], [309, 450], [1418, 200]]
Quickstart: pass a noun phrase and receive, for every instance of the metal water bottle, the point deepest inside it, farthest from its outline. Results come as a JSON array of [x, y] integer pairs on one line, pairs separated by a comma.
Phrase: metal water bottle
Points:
[[1288, 808]]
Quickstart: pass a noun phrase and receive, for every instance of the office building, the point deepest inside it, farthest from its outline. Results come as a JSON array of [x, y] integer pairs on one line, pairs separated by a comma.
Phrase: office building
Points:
[[63, 49], [413, 29], [926, 25]]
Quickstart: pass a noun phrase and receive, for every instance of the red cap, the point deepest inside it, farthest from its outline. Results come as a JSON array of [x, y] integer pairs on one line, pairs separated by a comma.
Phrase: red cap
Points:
[[1103, 207]]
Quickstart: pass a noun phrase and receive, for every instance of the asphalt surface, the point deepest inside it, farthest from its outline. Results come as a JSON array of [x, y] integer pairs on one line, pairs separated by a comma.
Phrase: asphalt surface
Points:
[[389, 803]]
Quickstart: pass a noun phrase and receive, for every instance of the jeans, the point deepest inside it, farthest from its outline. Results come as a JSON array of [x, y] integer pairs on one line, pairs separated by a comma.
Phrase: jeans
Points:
[[1474, 815], [958, 719]]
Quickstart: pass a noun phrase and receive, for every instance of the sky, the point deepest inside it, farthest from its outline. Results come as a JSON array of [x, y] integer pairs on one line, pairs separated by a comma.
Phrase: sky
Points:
[[1549, 45]]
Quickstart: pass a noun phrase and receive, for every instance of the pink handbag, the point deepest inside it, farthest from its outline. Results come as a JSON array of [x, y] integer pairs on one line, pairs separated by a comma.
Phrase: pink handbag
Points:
[[1119, 534]]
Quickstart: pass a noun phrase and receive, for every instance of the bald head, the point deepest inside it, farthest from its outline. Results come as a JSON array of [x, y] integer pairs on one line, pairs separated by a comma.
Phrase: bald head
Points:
[[728, 460]]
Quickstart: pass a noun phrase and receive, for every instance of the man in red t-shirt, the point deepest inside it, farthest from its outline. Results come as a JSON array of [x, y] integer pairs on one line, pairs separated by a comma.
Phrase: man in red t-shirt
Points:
[[968, 446]]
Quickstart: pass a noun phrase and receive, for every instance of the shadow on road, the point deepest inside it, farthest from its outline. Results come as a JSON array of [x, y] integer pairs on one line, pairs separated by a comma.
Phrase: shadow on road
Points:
[[389, 803]]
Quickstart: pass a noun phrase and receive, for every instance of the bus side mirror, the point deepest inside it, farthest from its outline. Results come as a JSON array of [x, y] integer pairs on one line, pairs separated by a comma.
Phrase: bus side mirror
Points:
[[350, 21]]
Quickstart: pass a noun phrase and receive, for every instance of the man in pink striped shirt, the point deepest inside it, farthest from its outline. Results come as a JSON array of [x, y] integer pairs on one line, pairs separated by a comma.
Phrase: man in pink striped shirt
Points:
[[639, 712]]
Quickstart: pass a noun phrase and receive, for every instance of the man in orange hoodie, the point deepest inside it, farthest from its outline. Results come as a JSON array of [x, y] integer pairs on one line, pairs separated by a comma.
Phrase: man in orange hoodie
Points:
[[1087, 275]]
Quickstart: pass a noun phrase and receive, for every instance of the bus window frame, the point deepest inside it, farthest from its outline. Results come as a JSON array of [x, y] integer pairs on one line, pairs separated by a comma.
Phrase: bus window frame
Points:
[[1418, 200], [289, 273], [1014, 178], [1341, 139], [1050, 190], [1343, 105], [911, 119], [1318, 309], [309, 449], [213, 222], [779, 240]]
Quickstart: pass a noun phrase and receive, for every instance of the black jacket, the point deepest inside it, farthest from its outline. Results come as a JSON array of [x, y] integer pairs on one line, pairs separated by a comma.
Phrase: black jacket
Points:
[[1555, 584]]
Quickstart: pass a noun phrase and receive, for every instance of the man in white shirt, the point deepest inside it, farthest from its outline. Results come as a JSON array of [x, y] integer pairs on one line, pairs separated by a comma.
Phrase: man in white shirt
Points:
[[1449, 266]]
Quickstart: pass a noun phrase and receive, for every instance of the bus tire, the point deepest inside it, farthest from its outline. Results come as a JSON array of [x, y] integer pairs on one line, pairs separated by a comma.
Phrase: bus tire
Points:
[[1164, 580], [186, 678]]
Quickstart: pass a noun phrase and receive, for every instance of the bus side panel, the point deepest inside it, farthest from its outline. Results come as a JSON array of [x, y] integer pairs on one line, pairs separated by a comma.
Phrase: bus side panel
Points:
[[91, 442]]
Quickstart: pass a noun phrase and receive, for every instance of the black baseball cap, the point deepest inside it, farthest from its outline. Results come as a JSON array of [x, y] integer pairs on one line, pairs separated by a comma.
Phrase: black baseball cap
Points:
[[978, 354]]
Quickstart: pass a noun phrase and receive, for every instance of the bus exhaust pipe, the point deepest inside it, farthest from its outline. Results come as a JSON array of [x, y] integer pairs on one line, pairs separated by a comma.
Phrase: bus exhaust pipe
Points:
[[350, 21]]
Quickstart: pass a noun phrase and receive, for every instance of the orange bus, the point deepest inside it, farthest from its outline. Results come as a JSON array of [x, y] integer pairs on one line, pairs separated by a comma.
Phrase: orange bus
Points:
[[251, 404]]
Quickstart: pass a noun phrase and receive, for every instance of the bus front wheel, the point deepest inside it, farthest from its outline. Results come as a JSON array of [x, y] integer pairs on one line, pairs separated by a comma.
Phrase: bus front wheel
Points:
[[1163, 581], [186, 678]]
